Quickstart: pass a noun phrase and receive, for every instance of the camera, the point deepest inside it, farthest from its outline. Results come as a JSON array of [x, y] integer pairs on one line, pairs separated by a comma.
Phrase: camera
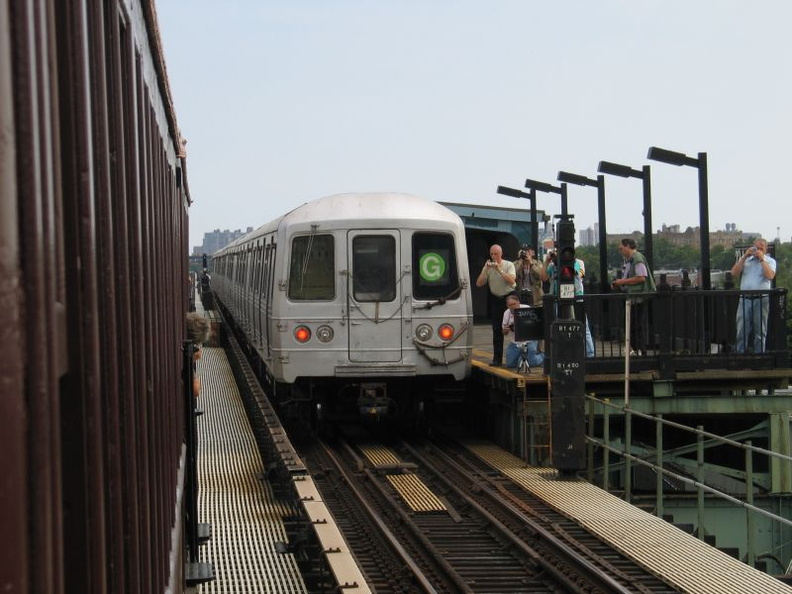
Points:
[[490, 263], [752, 250], [522, 254], [551, 256]]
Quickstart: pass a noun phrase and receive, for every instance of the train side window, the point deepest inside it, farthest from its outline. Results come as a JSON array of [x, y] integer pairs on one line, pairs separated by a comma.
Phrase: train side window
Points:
[[374, 268], [312, 271], [434, 265]]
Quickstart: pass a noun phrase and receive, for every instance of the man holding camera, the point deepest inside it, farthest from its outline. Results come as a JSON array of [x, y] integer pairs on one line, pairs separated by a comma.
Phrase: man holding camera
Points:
[[530, 274], [757, 270], [548, 248], [499, 276]]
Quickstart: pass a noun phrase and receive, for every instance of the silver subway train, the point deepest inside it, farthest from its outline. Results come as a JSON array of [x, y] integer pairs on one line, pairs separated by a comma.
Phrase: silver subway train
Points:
[[354, 302]]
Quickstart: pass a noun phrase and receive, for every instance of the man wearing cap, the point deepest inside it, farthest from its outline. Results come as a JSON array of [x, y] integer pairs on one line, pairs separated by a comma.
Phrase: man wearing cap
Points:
[[530, 274]]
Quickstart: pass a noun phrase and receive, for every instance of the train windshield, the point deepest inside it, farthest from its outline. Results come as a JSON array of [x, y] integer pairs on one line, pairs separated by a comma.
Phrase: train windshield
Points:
[[374, 268], [434, 266], [312, 270]]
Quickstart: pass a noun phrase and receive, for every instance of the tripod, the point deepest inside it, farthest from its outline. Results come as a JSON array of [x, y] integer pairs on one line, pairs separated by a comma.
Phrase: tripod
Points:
[[523, 366], [528, 326]]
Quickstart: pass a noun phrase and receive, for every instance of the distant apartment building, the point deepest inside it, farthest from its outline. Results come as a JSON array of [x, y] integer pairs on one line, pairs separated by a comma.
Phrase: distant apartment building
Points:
[[728, 237], [589, 236], [691, 236], [216, 240], [635, 235]]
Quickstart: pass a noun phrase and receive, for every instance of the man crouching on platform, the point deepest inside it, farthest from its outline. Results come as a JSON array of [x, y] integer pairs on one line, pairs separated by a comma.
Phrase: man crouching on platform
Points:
[[514, 350]]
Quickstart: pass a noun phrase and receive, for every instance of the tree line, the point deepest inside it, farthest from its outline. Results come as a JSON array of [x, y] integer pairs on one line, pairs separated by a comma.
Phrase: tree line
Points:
[[668, 256]]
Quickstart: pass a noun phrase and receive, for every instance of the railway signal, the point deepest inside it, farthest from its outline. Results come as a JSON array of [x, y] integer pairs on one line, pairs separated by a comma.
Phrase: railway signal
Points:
[[567, 371], [567, 412], [566, 258]]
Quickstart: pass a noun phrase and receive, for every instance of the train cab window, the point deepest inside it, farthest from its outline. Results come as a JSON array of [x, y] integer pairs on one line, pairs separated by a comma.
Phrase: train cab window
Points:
[[374, 268], [434, 266], [312, 271]]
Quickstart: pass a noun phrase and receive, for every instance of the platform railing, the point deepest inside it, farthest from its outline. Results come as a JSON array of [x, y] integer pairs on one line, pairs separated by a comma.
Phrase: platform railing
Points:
[[689, 330], [669, 466]]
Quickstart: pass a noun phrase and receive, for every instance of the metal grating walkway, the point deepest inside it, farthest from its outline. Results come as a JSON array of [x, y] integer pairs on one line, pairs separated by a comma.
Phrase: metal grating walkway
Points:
[[677, 557], [379, 455], [246, 520], [415, 493], [410, 487]]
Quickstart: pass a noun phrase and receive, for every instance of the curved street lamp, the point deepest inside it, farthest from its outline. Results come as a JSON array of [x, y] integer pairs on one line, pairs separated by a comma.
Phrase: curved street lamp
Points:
[[700, 163], [537, 186], [643, 174], [598, 183], [532, 197]]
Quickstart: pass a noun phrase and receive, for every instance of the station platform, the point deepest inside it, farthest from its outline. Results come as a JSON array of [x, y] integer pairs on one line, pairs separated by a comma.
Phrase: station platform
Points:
[[247, 542], [248, 534], [698, 390]]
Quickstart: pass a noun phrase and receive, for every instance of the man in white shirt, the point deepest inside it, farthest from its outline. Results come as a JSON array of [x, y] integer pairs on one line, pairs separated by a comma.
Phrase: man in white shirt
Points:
[[500, 277], [757, 270]]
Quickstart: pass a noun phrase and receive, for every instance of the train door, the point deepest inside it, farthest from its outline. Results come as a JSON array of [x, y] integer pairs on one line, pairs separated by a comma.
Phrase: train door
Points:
[[266, 293], [374, 296]]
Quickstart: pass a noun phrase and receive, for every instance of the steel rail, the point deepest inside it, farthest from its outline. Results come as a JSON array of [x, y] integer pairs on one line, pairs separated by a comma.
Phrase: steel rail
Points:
[[400, 551], [571, 556]]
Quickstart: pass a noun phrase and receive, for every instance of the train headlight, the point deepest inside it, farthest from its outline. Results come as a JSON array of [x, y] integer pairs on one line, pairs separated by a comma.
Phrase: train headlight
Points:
[[446, 332], [325, 333], [423, 332], [302, 333]]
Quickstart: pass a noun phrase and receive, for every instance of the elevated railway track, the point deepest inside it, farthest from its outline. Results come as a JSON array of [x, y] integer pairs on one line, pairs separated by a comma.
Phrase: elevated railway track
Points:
[[460, 525], [420, 516]]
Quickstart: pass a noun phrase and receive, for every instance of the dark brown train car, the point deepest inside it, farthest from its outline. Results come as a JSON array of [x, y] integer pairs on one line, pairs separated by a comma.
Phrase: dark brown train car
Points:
[[93, 269]]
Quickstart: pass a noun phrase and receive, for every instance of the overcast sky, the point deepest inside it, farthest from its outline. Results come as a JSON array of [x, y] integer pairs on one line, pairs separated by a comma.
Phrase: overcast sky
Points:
[[284, 101]]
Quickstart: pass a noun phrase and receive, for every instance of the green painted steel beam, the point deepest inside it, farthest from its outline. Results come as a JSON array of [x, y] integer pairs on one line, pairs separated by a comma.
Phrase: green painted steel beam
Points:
[[780, 471], [688, 404]]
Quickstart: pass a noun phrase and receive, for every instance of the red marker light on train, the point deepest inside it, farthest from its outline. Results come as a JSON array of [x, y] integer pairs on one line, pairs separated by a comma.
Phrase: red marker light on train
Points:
[[446, 332], [302, 333]]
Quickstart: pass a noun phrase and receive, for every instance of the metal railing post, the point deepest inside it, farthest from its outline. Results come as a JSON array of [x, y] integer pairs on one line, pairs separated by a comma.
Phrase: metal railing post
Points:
[[700, 478], [606, 441], [659, 461], [628, 459], [749, 498], [590, 446], [191, 439]]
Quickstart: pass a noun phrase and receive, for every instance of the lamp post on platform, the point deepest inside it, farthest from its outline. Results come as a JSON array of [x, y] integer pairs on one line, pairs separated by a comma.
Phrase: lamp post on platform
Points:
[[700, 163], [537, 186], [532, 197], [644, 175], [598, 183]]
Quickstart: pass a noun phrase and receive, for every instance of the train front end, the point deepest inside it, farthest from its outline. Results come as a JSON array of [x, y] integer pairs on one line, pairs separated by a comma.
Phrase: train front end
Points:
[[378, 313]]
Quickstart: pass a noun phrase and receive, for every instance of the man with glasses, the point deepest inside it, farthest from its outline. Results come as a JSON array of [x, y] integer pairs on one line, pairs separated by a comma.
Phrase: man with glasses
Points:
[[500, 277]]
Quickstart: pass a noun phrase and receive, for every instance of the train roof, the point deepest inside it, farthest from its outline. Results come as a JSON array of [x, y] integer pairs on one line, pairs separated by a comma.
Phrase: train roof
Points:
[[364, 207], [375, 205]]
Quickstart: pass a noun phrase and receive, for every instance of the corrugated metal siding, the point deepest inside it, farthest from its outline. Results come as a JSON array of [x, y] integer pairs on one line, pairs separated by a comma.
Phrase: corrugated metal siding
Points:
[[93, 245]]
